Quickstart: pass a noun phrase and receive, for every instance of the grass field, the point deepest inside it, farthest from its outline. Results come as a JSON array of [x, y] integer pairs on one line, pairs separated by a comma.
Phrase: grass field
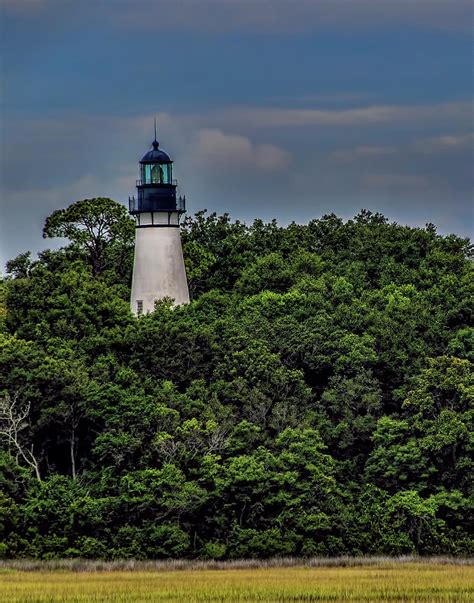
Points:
[[371, 581]]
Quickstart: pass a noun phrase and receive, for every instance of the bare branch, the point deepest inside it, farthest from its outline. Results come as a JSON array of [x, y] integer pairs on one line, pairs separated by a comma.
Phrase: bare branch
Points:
[[13, 421]]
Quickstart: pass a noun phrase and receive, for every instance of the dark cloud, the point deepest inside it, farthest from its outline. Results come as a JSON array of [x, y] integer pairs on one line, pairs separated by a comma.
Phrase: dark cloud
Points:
[[249, 175], [298, 15], [286, 109], [279, 16], [454, 114]]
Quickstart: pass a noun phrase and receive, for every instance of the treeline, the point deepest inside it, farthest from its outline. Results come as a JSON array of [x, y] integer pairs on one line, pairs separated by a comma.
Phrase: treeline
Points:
[[315, 398]]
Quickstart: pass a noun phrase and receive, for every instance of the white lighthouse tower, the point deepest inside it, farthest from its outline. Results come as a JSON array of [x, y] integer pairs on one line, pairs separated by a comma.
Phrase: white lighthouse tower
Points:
[[158, 268]]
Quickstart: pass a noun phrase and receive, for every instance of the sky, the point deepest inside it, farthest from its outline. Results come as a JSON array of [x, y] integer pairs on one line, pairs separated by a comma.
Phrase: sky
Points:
[[286, 109]]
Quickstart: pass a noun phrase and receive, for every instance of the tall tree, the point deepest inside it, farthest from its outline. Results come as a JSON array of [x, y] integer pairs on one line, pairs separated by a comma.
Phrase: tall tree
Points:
[[94, 225]]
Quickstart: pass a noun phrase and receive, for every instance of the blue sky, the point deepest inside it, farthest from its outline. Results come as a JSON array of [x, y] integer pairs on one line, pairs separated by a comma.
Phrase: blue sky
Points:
[[283, 108]]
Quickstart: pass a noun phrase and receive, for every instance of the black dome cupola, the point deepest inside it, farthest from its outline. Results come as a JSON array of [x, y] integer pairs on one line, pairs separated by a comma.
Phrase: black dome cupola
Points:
[[156, 155]]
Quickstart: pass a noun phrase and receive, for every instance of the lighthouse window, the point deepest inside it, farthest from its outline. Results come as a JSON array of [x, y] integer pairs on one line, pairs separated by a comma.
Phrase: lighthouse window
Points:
[[156, 174], [139, 307], [167, 173]]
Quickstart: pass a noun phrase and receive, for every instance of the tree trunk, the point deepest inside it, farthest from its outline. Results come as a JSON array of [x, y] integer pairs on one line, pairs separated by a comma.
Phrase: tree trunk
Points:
[[72, 450]]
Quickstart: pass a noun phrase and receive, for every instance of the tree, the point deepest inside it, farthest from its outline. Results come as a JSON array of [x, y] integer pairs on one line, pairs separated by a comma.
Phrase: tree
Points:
[[13, 423], [94, 225], [290, 408], [198, 261], [439, 409]]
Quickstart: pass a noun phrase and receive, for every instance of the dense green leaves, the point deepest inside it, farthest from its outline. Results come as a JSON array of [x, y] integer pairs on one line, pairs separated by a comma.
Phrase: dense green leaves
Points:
[[316, 396], [100, 227]]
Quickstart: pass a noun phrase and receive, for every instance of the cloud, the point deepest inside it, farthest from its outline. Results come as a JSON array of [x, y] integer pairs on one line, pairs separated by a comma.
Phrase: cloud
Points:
[[27, 210], [218, 149], [270, 117], [225, 162], [23, 4], [445, 144], [227, 139], [273, 16], [394, 181], [439, 167], [329, 97], [289, 15], [25, 7], [90, 156], [54, 197], [363, 152]]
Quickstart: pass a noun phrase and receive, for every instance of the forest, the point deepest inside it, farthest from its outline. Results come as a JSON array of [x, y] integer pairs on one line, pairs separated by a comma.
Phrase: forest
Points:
[[314, 398]]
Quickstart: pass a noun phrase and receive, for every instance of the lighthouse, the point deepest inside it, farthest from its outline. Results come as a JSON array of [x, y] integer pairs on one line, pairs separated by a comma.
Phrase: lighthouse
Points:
[[158, 266]]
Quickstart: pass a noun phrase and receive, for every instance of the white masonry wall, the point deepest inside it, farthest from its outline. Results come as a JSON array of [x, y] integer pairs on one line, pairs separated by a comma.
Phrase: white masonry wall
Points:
[[158, 269]]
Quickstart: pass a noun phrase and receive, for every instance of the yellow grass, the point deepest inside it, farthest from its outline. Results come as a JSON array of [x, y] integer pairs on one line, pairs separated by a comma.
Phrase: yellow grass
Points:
[[417, 582]]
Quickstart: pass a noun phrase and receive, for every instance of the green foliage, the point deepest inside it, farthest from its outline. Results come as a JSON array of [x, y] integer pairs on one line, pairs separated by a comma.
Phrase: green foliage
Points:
[[100, 227], [315, 397]]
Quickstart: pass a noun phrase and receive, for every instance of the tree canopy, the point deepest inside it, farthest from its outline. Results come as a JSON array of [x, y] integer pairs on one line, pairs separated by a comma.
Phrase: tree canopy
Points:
[[315, 397], [95, 226]]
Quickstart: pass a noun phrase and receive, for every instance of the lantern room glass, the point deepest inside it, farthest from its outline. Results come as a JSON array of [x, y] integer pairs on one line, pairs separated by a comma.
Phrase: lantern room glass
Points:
[[157, 173]]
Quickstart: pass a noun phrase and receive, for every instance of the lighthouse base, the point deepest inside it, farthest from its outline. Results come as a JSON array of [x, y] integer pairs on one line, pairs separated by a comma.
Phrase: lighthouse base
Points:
[[158, 269]]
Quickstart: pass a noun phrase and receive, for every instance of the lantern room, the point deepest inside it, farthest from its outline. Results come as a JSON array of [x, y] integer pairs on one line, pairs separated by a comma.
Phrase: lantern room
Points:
[[156, 189], [156, 167]]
